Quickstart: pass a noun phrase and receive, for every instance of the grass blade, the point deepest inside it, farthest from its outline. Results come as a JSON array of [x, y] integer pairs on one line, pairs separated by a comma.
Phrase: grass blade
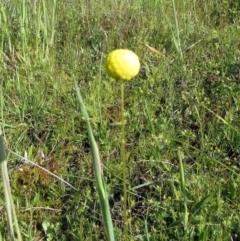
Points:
[[101, 189], [7, 194], [197, 207], [183, 189]]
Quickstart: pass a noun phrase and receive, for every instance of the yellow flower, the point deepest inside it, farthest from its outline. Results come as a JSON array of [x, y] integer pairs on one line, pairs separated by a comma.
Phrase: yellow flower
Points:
[[122, 64]]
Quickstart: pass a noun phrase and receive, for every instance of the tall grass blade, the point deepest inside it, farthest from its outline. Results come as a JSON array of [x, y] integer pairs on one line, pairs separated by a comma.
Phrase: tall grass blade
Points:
[[7, 194], [177, 38], [183, 189], [101, 188]]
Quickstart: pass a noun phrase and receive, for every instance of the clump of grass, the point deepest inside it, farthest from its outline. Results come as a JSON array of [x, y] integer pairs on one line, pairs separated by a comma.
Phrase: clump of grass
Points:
[[189, 102]]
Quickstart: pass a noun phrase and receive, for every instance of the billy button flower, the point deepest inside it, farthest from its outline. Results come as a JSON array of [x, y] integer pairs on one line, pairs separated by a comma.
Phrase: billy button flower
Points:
[[122, 64]]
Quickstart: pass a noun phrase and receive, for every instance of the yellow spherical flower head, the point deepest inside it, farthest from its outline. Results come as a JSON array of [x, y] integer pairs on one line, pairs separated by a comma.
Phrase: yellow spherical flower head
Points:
[[122, 64]]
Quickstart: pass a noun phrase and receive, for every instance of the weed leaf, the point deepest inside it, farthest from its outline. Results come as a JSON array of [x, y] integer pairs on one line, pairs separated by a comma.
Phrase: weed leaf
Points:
[[197, 207]]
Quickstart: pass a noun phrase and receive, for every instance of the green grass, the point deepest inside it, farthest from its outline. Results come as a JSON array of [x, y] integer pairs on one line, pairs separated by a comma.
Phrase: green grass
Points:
[[182, 114]]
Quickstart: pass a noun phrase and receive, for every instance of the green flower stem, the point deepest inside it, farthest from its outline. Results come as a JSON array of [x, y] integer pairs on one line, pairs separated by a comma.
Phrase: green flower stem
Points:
[[123, 157]]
